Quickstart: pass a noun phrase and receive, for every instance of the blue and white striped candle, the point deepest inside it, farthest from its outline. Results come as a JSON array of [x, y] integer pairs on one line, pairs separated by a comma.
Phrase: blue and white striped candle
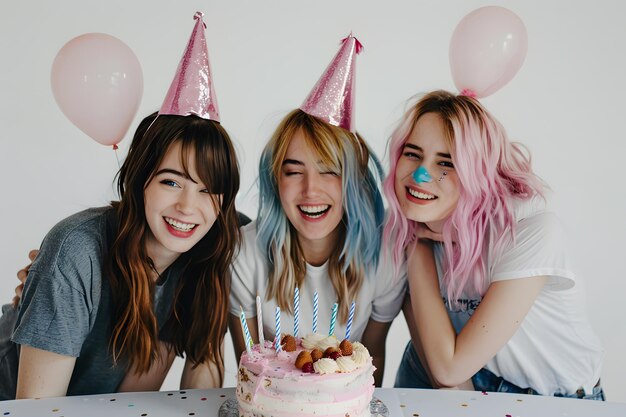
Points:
[[296, 312], [315, 307], [259, 318], [246, 331], [350, 318], [277, 332], [333, 320]]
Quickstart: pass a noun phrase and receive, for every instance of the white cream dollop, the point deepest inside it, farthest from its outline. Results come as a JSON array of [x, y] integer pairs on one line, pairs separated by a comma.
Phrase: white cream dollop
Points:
[[329, 341], [360, 357], [346, 364], [358, 346], [325, 366], [360, 354], [310, 340]]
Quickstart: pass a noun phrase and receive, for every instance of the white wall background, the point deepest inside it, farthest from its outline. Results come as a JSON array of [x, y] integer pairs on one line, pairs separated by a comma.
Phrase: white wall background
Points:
[[566, 104]]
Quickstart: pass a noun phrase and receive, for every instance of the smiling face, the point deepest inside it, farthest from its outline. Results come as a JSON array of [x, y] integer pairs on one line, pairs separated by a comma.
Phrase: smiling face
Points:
[[179, 209], [310, 194], [428, 198]]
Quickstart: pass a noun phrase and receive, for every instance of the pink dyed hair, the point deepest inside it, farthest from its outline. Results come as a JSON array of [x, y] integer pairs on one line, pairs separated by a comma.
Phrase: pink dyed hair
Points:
[[492, 172]]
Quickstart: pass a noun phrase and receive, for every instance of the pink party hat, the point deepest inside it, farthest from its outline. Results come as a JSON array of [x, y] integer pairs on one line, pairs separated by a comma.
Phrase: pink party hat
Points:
[[192, 90], [332, 98]]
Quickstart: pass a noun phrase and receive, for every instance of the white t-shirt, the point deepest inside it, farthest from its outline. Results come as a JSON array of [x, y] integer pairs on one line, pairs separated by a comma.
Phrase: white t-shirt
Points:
[[554, 350], [379, 298]]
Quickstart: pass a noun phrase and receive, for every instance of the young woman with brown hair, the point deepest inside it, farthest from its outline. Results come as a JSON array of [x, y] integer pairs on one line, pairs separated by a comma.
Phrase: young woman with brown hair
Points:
[[116, 292]]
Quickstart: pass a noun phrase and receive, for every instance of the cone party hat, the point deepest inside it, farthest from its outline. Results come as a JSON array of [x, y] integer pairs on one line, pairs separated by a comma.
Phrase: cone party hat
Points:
[[332, 98], [192, 91]]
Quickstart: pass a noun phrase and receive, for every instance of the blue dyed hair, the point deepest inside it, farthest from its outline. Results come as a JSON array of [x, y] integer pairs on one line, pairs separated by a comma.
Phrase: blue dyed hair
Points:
[[359, 243]]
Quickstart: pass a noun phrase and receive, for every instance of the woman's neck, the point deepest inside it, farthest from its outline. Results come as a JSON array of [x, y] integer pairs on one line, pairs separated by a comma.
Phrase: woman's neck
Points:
[[161, 257], [436, 226], [317, 251]]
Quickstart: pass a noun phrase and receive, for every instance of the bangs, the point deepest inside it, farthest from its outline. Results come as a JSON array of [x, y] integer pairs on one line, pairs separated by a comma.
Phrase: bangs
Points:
[[327, 149], [215, 159]]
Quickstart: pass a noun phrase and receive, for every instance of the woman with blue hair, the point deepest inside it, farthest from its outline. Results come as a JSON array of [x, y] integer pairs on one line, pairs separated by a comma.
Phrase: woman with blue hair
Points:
[[318, 228]]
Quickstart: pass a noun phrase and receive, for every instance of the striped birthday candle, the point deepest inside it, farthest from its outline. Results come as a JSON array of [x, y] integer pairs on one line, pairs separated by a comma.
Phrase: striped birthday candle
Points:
[[315, 307], [296, 312], [333, 320], [246, 331], [277, 332], [350, 318]]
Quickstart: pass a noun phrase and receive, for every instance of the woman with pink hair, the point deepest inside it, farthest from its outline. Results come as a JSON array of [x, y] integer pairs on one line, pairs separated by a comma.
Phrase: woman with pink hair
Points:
[[493, 298]]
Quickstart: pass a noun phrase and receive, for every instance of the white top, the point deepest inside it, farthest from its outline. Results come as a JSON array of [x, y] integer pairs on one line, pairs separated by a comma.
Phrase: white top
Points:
[[554, 350], [379, 298]]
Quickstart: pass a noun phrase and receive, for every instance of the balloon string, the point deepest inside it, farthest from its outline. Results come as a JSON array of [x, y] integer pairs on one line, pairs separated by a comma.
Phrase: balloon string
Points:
[[117, 156]]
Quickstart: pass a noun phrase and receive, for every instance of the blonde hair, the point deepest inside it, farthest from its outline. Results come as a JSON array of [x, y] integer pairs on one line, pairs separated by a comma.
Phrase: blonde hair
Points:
[[358, 244]]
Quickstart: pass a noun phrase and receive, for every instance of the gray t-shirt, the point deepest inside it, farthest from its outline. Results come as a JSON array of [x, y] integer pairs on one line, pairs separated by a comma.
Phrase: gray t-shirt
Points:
[[66, 306]]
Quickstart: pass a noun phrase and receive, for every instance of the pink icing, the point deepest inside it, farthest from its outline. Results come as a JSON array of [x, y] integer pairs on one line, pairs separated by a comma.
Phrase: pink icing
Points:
[[264, 365]]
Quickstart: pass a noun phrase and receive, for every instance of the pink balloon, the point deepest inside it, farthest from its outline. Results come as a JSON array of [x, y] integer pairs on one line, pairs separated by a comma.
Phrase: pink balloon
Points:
[[487, 49], [97, 82]]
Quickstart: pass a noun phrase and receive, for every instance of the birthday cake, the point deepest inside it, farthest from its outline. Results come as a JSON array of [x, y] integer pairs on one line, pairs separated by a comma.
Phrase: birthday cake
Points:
[[312, 376]]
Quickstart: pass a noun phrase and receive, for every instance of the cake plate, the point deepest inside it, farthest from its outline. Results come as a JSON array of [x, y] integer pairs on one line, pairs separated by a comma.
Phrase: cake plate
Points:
[[230, 408]]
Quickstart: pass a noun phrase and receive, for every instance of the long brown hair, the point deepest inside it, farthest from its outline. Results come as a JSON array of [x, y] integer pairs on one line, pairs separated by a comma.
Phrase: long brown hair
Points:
[[198, 320]]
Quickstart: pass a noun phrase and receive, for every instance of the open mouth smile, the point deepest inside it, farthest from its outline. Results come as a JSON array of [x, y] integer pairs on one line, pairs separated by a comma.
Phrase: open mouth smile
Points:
[[420, 195], [179, 226], [314, 212]]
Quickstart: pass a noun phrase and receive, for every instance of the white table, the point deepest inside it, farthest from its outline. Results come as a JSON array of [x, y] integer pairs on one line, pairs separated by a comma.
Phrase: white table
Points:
[[400, 402]]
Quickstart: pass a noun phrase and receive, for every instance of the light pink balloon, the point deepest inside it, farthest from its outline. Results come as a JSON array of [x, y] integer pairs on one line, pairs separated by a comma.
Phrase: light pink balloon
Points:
[[97, 82], [487, 49]]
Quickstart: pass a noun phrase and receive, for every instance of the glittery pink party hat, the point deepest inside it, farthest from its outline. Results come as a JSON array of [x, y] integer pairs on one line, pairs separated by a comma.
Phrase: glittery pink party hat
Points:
[[192, 90], [332, 98]]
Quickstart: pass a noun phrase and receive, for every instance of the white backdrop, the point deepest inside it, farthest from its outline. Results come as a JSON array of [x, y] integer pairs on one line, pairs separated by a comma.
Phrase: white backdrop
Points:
[[566, 105]]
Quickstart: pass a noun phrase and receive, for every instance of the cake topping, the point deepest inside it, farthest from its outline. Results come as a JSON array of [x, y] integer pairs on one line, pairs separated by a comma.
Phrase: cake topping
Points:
[[329, 341], [304, 357], [325, 366], [288, 343], [310, 340], [360, 354], [359, 346], [346, 364], [335, 355], [316, 355], [346, 347], [330, 350], [308, 367]]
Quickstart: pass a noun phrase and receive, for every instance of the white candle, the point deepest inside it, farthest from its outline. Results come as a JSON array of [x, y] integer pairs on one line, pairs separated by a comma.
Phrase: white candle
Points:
[[259, 318]]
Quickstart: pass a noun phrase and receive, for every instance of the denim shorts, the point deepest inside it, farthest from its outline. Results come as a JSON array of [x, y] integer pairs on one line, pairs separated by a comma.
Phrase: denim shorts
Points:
[[411, 374]]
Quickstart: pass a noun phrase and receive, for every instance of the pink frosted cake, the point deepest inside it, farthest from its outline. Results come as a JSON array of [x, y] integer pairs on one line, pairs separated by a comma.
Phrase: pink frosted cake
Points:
[[315, 376]]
